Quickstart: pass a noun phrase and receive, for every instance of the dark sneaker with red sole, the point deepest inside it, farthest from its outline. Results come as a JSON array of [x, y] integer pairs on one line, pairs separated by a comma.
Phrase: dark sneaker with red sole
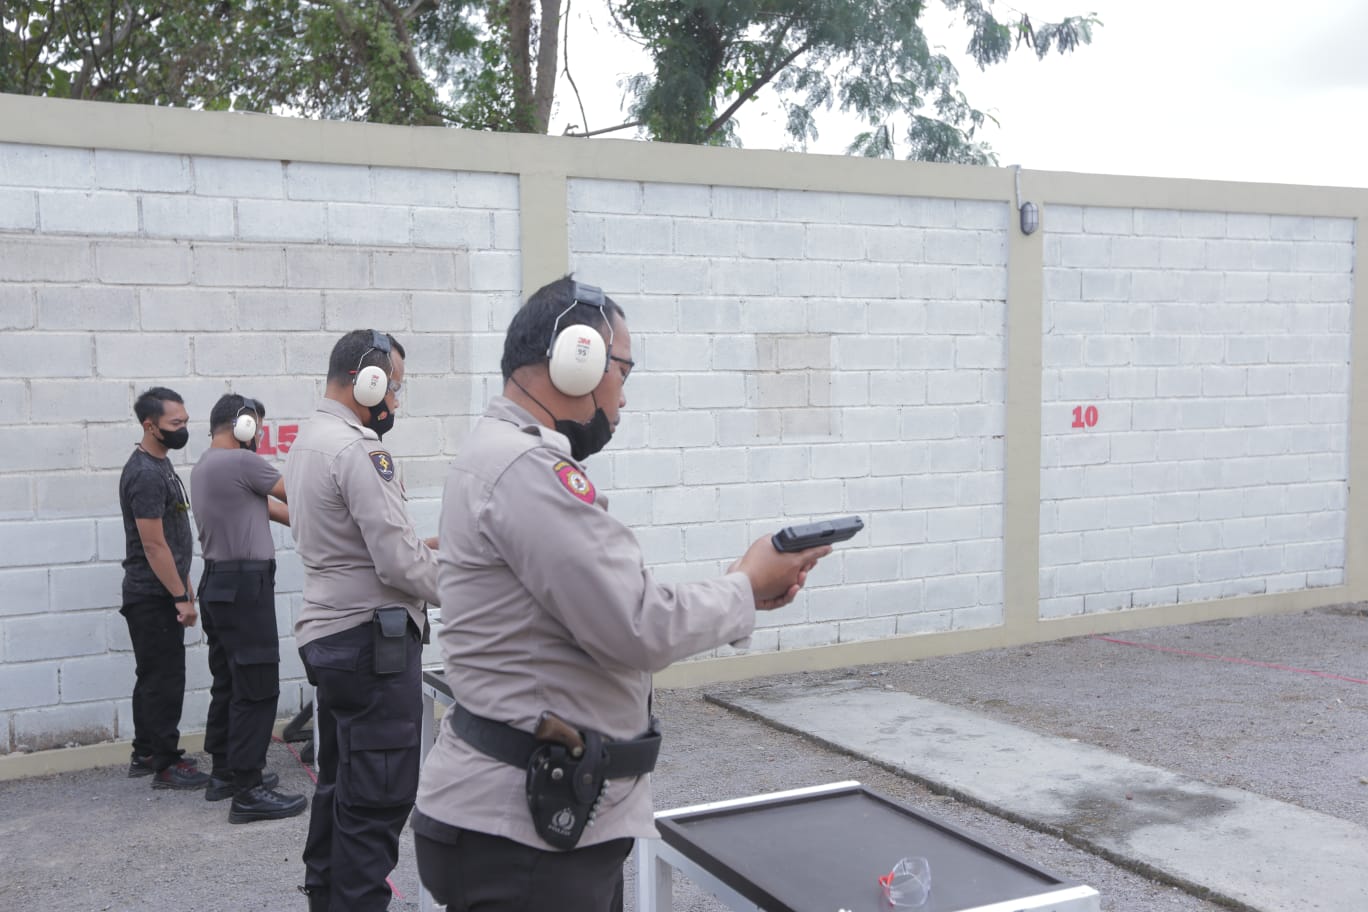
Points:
[[224, 787], [261, 803], [183, 777]]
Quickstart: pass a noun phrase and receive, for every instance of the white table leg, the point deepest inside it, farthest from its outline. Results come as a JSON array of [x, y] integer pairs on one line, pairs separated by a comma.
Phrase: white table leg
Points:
[[427, 738], [655, 891]]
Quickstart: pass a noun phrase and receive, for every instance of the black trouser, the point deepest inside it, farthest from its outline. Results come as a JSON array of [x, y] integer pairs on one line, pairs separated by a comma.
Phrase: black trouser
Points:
[[367, 729], [482, 873], [237, 607], [159, 685]]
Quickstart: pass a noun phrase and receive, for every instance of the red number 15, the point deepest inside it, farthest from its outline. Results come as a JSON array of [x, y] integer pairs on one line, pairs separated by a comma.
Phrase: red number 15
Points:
[[285, 435]]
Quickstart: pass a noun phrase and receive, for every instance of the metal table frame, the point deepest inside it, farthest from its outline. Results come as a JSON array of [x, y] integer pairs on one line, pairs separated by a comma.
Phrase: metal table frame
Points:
[[657, 860], [434, 691]]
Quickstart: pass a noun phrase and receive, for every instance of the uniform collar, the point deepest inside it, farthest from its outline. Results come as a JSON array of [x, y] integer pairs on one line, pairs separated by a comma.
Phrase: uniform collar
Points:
[[338, 410], [501, 408]]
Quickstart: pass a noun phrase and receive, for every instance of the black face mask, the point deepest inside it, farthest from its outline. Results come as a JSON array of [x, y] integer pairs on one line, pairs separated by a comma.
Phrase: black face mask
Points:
[[381, 419], [174, 440], [586, 438]]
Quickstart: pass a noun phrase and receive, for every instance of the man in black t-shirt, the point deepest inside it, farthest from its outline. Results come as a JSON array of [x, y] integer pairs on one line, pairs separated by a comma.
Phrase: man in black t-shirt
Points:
[[158, 603]]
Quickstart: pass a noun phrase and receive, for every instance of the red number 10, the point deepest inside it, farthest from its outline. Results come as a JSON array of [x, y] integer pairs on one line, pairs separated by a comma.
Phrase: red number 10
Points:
[[1085, 417]]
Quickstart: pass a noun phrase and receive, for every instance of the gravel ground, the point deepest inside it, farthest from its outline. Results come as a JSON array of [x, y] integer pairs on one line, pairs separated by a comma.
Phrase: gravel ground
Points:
[[95, 840]]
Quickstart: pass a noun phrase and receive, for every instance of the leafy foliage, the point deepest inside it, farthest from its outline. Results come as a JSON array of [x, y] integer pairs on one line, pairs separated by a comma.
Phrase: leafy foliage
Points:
[[491, 64], [869, 57], [375, 60]]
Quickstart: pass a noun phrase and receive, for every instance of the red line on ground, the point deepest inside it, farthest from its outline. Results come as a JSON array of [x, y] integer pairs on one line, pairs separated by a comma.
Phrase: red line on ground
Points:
[[1206, 655]]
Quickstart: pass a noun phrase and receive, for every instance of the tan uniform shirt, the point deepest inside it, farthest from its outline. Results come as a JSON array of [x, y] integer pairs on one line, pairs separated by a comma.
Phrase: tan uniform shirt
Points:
[[548, 605], [351, 527]]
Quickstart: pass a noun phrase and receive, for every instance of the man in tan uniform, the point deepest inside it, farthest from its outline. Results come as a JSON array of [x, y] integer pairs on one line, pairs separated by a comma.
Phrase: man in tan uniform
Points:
[[366, 577], [547, 606]]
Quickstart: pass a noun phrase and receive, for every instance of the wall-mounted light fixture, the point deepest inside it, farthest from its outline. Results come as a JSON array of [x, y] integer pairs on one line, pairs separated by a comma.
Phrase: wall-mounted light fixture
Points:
[[1029, 212]]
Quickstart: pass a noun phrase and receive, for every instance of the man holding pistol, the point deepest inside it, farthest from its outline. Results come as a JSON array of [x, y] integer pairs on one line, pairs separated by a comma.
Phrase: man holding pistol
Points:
[[360, 630], [551, 629]]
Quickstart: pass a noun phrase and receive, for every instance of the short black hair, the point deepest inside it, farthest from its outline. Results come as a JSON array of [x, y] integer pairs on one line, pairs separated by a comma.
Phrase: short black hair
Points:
[[153, 401], [226, 410], [529, 332], [356, 350]]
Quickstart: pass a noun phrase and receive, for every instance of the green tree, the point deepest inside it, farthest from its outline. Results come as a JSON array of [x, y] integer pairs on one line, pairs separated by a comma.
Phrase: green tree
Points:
[[376, 60], [491, 64], [869, 57]]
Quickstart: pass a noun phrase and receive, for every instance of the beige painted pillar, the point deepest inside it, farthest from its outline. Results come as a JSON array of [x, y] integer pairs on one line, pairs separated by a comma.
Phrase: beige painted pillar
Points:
[[1356, 535], [1021, 507], [544, 225]]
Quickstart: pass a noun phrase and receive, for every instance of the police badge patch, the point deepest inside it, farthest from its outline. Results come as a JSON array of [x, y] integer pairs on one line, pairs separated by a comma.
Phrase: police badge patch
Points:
[[384, 464], [574, 481]]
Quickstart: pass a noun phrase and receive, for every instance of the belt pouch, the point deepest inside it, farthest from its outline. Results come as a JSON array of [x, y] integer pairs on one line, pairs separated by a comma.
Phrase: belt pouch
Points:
[[389, 639]]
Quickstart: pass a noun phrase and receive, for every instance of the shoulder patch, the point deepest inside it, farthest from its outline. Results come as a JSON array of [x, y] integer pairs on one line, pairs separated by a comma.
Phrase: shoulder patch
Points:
[[384, 464], [574, 481]]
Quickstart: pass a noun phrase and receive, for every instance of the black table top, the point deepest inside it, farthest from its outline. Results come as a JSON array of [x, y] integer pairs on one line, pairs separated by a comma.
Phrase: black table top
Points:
[[435, 679], [825, 852]]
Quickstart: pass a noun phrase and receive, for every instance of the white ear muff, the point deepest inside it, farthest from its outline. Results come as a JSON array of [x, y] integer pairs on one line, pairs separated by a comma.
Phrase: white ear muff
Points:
[[370, 386], [578, 360], [245, 428]]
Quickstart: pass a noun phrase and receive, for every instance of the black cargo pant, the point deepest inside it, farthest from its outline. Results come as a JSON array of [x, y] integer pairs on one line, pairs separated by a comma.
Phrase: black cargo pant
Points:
[[463, 869], [237, 607], [159, 684], [368, 734]]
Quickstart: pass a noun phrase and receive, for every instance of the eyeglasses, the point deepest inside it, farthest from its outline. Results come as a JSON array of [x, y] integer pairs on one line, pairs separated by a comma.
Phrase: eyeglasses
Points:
[[627, 361], [395, 386]]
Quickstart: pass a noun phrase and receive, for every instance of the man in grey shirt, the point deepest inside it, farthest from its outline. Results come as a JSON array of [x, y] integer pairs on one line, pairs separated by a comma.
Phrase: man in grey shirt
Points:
[[236, 494]]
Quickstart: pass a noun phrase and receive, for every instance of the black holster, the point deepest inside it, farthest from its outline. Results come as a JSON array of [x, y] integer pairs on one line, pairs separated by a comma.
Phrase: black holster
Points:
[[563, 790], [389, 639], [563, 793]]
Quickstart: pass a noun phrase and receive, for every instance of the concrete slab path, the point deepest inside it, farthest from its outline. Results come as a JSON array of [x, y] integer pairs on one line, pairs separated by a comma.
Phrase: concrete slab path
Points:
[[1232, 845]]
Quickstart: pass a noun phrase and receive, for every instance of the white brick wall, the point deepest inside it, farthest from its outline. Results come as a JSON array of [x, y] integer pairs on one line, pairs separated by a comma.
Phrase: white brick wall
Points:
[[809, 335], [122, 270], [1215, 351], [802, 354]]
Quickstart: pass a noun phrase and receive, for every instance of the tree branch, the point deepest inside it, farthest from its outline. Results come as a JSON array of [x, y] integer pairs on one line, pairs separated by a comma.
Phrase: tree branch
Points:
[[30, 61], [548, 49], [565, 43], [520, 62], [752, 89], [406, 44], [626, 126], [419, 6]]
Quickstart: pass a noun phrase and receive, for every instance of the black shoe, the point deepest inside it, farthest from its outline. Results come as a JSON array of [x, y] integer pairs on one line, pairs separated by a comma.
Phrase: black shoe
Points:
[[140, 766], [183, 776], [221, 787], [318, 899], [262, 803]]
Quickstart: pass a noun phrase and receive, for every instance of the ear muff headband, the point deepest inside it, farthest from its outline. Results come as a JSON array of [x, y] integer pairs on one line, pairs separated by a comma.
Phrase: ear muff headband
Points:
[[371, 384], [245, 424], [577, 357]]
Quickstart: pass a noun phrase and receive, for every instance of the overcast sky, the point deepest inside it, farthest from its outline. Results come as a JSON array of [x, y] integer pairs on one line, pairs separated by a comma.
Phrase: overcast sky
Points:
[[1249, 90]]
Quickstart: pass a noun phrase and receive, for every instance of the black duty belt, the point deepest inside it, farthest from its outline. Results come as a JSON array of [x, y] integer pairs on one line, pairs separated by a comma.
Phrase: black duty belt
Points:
[[240, 566], [513, 746]]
